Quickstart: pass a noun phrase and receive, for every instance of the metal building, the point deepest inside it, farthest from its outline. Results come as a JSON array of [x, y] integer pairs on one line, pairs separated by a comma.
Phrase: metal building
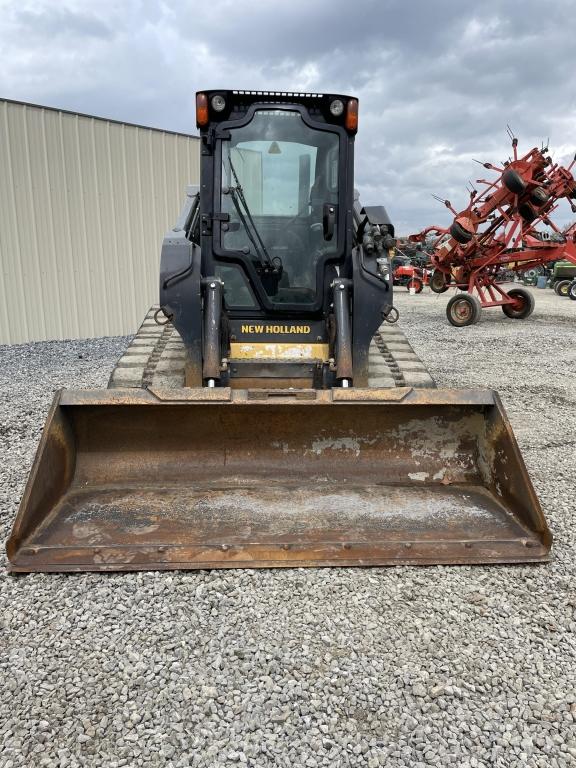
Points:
[[84, 204]]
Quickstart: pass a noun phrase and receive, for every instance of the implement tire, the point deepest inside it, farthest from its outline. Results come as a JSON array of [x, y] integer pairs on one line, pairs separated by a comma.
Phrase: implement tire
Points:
[[439, 281], [572, 291], [513, 181], [539, 196], [463, 309], [528, 212], [460, 234], [521, 313], [416, 284], [562, 287]]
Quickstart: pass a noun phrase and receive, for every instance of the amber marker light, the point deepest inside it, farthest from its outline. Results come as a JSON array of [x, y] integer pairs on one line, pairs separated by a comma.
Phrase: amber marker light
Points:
[[201, 110], [351, 121]]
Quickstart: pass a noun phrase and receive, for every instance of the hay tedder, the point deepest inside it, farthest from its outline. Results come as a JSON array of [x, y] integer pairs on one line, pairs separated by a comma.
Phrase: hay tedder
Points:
[[268, 412], [497, 233]]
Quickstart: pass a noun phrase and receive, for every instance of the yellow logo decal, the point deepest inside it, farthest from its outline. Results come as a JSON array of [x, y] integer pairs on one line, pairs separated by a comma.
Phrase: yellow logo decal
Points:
[[279, 329]]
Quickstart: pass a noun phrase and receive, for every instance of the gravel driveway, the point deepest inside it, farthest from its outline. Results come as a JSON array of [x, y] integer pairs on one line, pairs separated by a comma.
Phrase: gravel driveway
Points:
[[463, 666]]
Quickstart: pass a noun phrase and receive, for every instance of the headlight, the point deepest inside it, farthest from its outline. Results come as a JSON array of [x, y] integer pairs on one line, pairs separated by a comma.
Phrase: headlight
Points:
[[337, 107], [218, 103]]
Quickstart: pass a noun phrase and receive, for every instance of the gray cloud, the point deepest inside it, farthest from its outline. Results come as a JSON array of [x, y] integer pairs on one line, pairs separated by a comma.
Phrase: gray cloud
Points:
[[58, 22], [438, 81]]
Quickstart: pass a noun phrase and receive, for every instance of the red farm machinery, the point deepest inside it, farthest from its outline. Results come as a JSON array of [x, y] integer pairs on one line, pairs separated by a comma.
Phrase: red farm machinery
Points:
[[409, 271], [497, 234]]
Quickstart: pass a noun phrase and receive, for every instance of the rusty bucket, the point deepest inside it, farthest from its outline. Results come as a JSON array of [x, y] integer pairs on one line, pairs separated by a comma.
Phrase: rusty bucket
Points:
[[214, 478]]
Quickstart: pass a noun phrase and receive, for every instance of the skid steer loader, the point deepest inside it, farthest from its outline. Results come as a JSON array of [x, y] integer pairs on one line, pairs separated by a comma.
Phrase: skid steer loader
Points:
[[268, 412]]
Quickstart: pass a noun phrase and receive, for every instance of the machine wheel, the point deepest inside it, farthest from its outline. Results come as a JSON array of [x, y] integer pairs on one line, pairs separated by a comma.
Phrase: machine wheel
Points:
[[562, 287], [527, 304], [463, 309], [513, 181], [528, 212], [572, 291], [539, 196], [530, 276], [439, 281], [460, 234], [415, 283]]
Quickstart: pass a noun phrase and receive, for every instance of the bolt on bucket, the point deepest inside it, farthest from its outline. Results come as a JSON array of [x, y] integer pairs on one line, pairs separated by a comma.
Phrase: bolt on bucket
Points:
[[198, 478]]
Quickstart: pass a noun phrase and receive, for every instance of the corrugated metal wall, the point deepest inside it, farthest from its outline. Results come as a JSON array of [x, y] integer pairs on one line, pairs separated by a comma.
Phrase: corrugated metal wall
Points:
[[84, 204]]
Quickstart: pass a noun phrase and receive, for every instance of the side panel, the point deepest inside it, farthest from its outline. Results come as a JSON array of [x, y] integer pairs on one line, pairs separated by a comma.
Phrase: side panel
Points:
[[180, 290], [372, 299]]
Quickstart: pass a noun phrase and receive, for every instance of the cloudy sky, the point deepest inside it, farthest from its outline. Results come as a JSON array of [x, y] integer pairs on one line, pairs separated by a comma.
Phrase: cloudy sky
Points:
[[438, 80]]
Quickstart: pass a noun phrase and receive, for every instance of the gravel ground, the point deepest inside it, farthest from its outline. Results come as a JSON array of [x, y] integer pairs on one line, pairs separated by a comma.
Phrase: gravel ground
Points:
[[466, 666]]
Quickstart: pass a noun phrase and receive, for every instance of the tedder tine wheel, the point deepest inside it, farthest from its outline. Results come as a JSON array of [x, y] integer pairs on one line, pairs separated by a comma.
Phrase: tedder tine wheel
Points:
[[539, 196], [523, 304], [463, 309], [439, 281], [513, 181], [562, 288], [528, 212], [460, 234]]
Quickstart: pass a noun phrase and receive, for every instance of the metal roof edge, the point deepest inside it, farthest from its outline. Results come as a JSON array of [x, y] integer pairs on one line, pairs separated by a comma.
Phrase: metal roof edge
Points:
[[98, 117]]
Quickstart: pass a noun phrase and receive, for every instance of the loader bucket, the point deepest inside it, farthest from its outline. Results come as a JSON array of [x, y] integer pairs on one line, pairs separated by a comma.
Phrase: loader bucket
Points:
[[214, 478]]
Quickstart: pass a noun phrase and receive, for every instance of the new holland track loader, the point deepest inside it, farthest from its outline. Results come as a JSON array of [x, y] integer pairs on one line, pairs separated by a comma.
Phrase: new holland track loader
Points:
[[268, 412]]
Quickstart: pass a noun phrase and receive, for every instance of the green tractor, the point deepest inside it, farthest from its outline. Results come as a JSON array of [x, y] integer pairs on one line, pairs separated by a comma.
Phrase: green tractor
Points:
[[563, 275]]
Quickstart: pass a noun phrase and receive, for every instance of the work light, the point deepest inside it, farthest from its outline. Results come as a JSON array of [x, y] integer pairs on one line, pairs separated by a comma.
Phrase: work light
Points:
[[337, 107], [218, 103]]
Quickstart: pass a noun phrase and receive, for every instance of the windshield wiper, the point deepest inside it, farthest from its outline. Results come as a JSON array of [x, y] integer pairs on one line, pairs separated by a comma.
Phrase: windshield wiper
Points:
[[245, 216]]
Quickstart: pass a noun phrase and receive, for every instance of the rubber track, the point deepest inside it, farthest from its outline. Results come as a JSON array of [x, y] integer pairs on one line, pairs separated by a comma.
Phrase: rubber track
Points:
[[156, 356]]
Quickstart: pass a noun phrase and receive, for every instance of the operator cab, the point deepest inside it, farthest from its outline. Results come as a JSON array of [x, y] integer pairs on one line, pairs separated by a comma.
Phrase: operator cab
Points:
[[279, 168]]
